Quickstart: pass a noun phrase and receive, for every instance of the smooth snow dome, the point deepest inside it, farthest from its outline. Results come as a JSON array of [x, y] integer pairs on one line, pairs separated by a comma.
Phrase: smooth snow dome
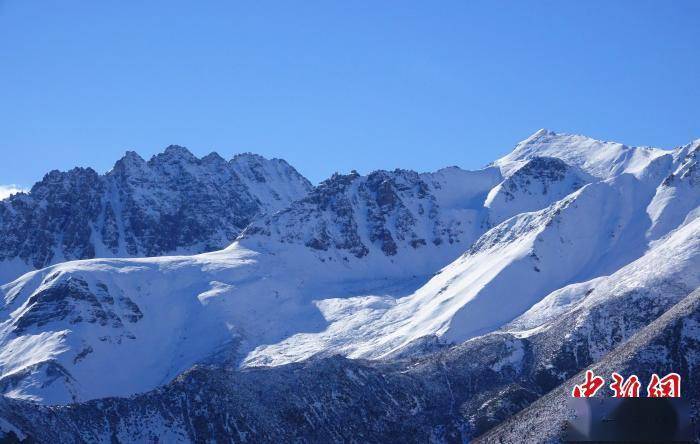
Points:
[[364, 266]]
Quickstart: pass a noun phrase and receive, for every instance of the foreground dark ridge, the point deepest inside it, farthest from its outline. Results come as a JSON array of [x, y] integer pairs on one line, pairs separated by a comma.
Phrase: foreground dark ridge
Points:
[[669, 344]]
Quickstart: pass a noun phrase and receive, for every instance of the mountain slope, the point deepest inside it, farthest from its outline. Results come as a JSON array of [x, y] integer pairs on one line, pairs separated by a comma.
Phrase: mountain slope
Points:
[[538, 183], [669, 344], [678, 195], [475, 295], [399, 215], [442, 396], [140, 322], [173, 203], [600, 159]]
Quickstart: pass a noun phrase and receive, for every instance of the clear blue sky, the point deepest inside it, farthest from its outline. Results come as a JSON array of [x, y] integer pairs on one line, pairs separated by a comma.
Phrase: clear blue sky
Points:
[[337, 85]]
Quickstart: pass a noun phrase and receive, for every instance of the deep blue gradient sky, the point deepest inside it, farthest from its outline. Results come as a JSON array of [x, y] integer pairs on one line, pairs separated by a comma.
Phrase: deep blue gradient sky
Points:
[[337, 85]]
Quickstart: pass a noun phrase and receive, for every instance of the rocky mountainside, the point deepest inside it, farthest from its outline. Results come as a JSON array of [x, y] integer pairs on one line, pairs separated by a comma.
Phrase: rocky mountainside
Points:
[[174, 203], [160, 316], [462, 296], [397, 214], [537, 184], [669, 344]]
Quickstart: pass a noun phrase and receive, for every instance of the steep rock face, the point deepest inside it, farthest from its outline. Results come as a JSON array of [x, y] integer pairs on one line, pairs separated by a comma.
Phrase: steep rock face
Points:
[[63, 202], [384, 214], [540, 182], [173, 203]]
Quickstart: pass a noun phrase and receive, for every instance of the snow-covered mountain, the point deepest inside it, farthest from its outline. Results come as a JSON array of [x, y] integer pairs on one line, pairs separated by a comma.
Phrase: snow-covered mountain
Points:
[[140, 322], [403, 219], [530, 261], [174, 203], [603, 223]]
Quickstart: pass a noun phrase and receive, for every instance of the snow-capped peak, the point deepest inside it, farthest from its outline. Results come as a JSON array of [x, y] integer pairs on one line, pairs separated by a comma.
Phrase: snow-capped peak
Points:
[[272, 181], [598, 158], [213, 158]]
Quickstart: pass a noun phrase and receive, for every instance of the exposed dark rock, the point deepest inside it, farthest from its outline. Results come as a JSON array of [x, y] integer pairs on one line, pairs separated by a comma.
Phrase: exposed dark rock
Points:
[[173, 202]]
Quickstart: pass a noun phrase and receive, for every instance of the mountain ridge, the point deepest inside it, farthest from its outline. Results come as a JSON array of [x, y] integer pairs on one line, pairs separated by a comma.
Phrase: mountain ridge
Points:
[[172, 203]]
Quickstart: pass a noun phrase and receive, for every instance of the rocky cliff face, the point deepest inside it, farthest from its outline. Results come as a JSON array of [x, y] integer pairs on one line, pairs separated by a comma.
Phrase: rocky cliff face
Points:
[[671, 343], [173, 203], [537, 184], [383, 213]]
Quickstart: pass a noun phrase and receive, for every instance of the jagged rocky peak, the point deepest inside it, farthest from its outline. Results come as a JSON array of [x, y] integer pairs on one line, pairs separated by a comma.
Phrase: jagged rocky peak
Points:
[[132, 157], [688, 170], [383, 213], [330, 190], [173, 155], [77, 179], [214, 159], [177, 151], [179, 157], [174, 202], [130, 163], [258, 169], [62, 202], [250, 160]]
